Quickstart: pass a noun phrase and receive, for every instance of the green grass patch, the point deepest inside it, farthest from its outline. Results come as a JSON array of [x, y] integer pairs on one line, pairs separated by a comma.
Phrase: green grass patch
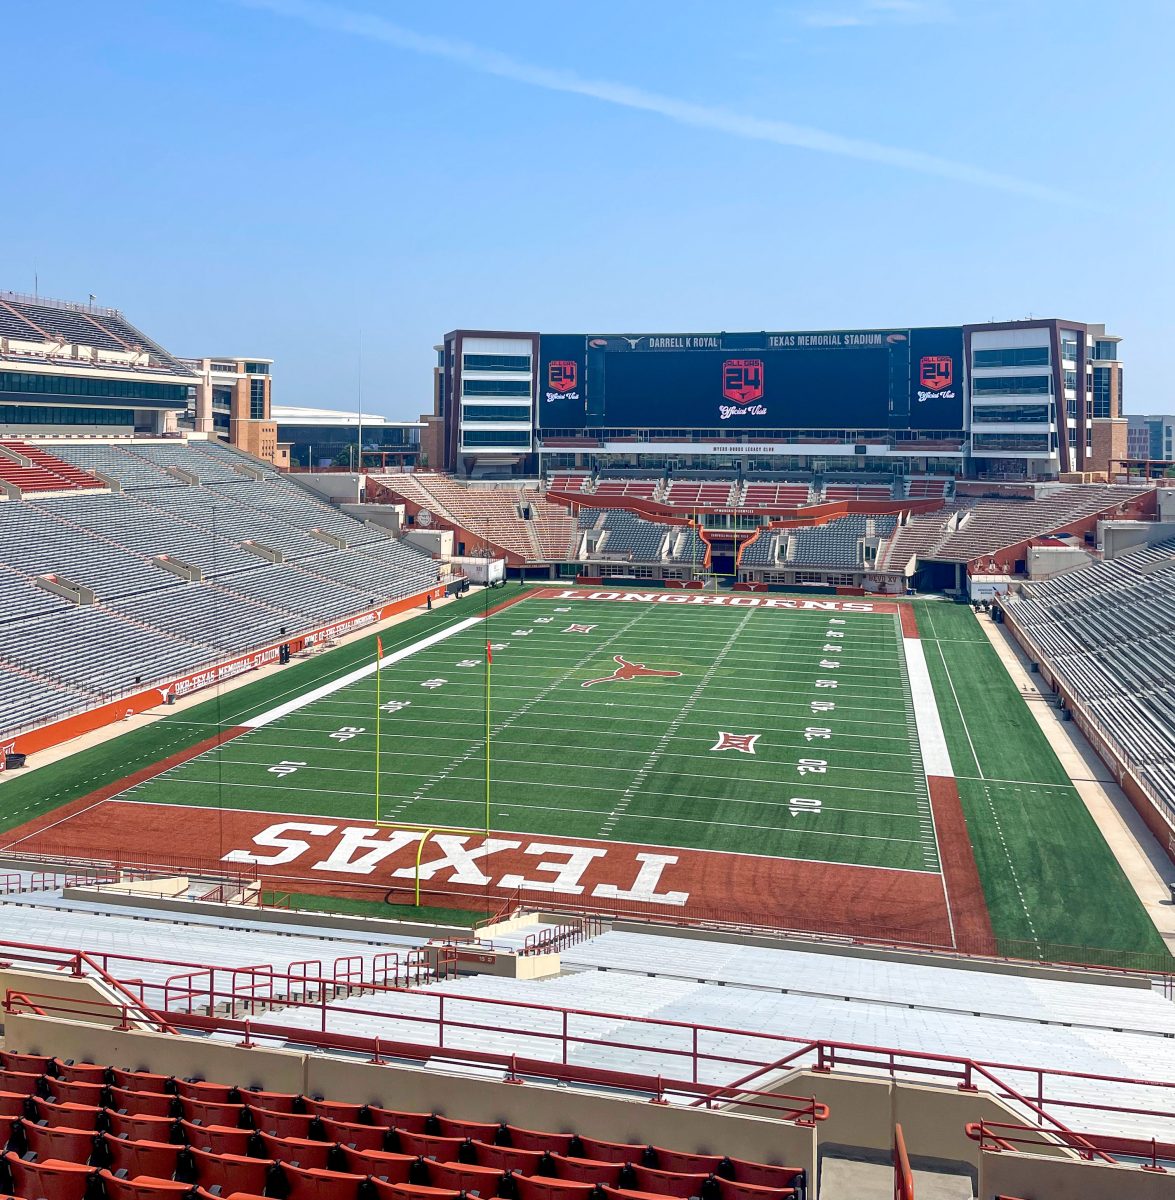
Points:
[[1052, 883], [347, 906]]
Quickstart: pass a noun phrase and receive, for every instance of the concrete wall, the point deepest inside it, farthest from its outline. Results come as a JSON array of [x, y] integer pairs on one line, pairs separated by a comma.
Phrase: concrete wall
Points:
[[530, 1105], [92, 1000], [343, 486], [863, 1112], [1031, 1175], [1120, 537]]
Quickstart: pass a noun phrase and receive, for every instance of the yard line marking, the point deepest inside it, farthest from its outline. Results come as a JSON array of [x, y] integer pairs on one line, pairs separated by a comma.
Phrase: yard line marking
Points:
[[516, 715], [671, 731]]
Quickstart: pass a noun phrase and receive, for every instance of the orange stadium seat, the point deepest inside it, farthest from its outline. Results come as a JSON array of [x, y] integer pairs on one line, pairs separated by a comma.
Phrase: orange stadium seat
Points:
[[21, 1083], [391, 1118], [219, 1139], [533, 1139], [426, 1145], [141, 1081], [394, 1168], [353, 1114], [142, 1128], [49, 1180], [223, 1174], [144, 1188], [129, 1160], [45, 1142], [34, 1064], [580, 1170], [72, 1116], [145, 1104], [207, 1093], [299, 1152], [215, 1113], [61, 1091], [486, 1131], [620, 1152], [75, 1072], [360, 1137], [506, 1158]]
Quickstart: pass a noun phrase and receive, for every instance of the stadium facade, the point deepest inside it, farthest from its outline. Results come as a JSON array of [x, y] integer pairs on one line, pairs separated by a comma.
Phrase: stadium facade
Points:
[[1032, 399]]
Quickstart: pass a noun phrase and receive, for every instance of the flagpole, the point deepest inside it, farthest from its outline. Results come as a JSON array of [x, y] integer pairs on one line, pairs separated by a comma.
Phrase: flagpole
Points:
[[489, 664], [378, 655]]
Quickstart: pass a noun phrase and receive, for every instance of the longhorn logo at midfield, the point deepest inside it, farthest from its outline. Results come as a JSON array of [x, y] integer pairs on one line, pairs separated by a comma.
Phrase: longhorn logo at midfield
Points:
[[628, 670]]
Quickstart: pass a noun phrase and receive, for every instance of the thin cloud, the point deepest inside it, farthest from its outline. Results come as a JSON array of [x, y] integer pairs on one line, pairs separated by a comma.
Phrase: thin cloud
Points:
[[684, 112], [877, 12]]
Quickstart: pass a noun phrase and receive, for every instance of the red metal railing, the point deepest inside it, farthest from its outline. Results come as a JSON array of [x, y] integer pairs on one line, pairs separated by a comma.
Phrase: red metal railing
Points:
[[903, 1177], [560, 1036], [799, 1109], [1001, 1136], [214, 999]]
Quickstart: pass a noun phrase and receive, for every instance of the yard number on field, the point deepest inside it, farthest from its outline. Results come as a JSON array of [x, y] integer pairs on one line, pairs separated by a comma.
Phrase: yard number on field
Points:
[[812, 766], [801, 804], [285, 767], [347, 733]]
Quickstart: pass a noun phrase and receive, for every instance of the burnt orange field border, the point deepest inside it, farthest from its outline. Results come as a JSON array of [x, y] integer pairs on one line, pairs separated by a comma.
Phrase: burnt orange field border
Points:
[[637, 880]]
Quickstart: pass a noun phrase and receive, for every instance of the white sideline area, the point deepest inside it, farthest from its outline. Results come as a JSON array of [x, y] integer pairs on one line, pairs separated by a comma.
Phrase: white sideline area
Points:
[[336, 685], [936, 758]]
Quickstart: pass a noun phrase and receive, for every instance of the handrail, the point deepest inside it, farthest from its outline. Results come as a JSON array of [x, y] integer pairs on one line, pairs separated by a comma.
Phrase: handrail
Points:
[[903, 1177], [1004, 1136], [800, 1109], [562, 1039], [554, 1029]]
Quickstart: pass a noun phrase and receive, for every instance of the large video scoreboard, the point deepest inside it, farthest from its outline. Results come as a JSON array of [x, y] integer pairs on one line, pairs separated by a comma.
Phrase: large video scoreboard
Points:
[[845, 379]]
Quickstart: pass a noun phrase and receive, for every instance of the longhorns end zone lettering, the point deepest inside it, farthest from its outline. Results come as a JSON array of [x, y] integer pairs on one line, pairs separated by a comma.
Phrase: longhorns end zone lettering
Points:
[[851, 606]]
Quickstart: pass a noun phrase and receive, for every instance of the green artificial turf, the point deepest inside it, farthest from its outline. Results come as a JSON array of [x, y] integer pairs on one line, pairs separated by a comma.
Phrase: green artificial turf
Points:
[[345, 906], [24, 796], [626, 761], [1051, 882]]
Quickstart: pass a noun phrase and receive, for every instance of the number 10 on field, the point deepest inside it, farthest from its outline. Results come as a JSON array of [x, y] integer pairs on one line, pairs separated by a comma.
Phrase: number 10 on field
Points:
[[798, 805]]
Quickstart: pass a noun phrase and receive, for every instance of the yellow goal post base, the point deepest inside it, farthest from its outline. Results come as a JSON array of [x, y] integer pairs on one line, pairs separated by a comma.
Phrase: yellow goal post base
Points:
[[428, 831]]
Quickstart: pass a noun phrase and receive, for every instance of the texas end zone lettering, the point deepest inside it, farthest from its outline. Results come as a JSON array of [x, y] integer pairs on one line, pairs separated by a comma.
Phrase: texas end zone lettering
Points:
[[719, 601], [559, 868]]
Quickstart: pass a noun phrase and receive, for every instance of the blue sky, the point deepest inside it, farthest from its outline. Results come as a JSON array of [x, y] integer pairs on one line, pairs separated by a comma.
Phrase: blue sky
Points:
[[290, 178]]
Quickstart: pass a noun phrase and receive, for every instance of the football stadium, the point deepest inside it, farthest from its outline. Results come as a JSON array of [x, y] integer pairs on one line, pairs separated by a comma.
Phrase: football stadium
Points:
[[603, 805]]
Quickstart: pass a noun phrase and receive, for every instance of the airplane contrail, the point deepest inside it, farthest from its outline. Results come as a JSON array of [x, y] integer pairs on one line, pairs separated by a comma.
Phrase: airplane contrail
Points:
[[700, 116]]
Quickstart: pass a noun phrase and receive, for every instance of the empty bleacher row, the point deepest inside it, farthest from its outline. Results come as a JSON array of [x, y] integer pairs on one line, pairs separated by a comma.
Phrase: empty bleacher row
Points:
[[518, 520], [1107, 631], [29, 319], [962, 533], [87, 612], [31, 469]]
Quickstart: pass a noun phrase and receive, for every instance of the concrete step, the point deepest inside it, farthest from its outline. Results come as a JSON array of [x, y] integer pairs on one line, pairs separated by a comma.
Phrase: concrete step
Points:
[[848, 1179]]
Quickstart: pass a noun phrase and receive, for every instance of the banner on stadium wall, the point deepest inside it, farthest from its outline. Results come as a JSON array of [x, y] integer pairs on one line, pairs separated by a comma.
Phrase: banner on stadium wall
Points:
[[561, 386]]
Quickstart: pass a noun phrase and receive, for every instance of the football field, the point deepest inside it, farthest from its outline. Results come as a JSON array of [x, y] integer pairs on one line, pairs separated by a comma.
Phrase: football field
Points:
[[838, 765], [758, 731]]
